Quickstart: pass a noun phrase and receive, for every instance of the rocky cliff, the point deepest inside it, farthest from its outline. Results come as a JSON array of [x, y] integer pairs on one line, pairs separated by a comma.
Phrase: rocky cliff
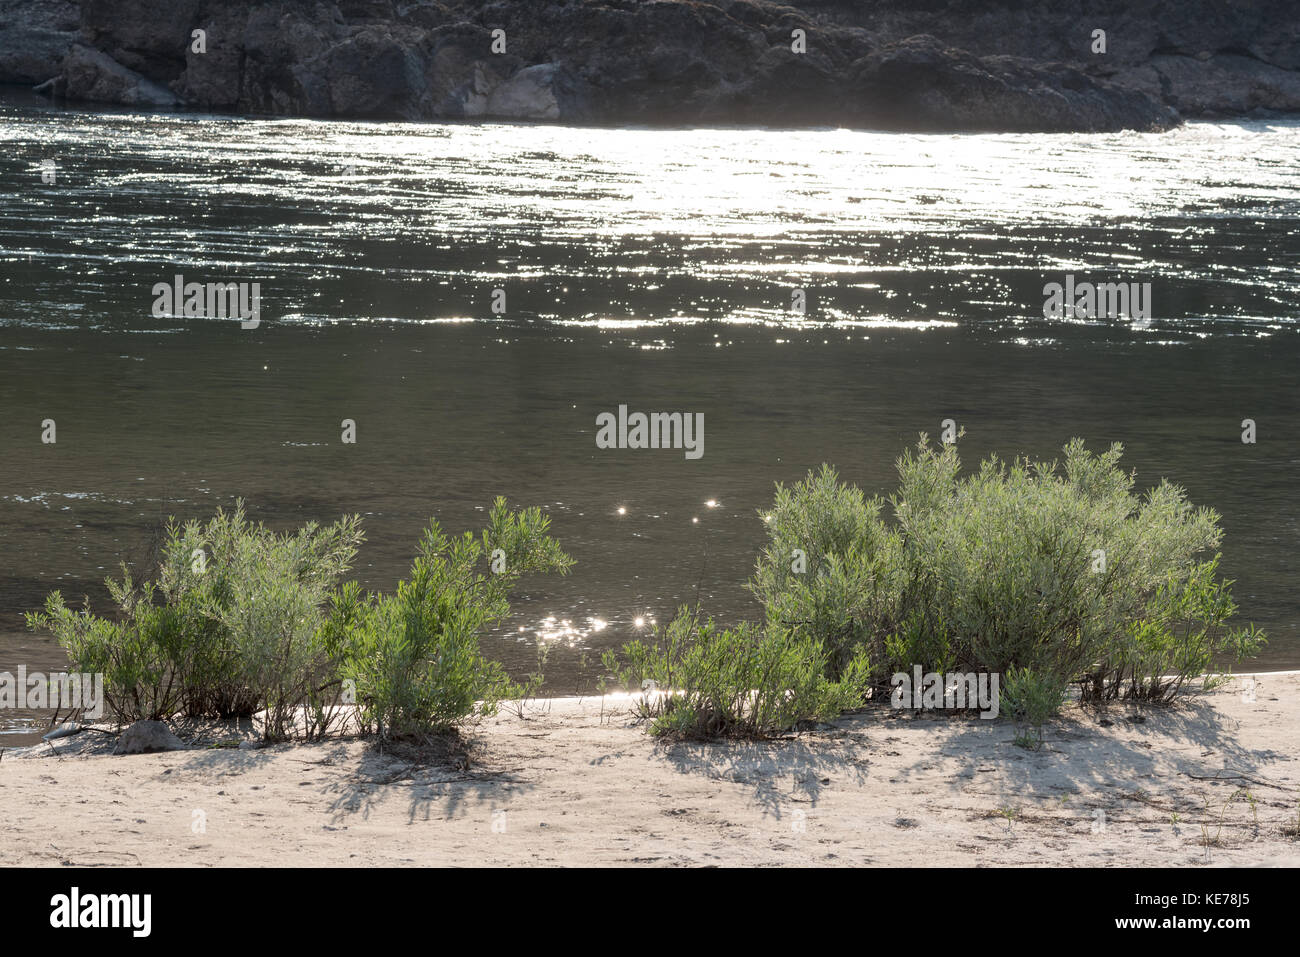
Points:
[[1033, 65]]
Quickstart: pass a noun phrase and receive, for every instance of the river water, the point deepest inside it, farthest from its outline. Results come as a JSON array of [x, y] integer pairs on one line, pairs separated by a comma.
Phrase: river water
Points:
[[648, 268]]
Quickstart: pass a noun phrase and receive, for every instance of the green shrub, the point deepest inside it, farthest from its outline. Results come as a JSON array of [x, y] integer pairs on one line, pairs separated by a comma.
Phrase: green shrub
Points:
[[918, 642], [1030, 699], [257, 604], [746, 682], [230, 628], [1007, 554], [135, 655], [1181, 635], [1058, 568], [414, 655], [831, 571], [244, 620]]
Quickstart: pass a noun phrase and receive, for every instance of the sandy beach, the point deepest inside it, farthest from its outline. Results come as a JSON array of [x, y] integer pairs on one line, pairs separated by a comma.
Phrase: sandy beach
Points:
[[568, 785]]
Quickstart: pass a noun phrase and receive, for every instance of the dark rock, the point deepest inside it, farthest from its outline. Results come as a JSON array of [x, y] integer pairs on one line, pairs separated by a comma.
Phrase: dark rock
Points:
[[282, 48], [93, 75], [145, 737], [212, 79], [149, 37], [531, 94], [55, 86], [1225, 84], [460, 80], [35, 37], [922, 84], [377, 71], [901, 64], [1139, 34]]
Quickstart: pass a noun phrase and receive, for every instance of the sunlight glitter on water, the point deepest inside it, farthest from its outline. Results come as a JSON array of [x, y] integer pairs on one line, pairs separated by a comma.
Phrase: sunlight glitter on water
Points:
[[647, 266]]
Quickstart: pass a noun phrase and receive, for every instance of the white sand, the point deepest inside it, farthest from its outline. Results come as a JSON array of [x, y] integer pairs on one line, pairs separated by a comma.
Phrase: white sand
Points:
[[878, 788]]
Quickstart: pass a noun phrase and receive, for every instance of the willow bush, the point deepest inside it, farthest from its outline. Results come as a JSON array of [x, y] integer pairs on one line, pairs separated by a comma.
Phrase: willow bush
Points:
[[136, 654], [414, 655], [243, 620], [741, 682], [230, 628], [1048, 573], [1056, 569]]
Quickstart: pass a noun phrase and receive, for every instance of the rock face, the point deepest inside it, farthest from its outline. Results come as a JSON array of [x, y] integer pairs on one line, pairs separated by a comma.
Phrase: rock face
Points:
[[94, 75], [902, 64], [921, 84], [145, 737], [1201, 57], [34, 37]]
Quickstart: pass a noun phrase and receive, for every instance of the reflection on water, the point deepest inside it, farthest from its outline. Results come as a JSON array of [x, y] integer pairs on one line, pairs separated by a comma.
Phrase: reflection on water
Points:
[[648, 268], [553, 632]]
